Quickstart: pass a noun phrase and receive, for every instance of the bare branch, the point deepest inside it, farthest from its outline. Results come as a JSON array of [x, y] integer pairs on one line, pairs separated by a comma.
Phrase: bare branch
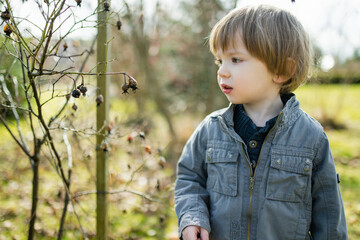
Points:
[[51, 72], [16, 107], [68, 149], [15, 113], [147, 197], [14, 137], [77, 76], [17, 32]]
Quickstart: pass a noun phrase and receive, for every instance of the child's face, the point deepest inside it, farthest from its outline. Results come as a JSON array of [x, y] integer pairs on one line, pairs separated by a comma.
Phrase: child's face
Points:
[[243, 78]]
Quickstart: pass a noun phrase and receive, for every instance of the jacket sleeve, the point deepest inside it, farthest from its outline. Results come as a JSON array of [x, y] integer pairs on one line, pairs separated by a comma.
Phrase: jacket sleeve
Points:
[[191, 196], [328, 217]]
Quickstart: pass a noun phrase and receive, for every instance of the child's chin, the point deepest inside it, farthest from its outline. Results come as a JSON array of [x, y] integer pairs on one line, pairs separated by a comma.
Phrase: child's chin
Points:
[[234, 101]]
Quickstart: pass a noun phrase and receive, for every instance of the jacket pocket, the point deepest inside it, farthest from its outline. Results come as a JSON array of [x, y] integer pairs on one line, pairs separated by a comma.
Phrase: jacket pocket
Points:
[[289, 177], [222, 171]]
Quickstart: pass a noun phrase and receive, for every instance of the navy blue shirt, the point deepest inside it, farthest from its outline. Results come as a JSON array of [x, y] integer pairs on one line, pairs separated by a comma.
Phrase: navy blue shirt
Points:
[[252, 135]]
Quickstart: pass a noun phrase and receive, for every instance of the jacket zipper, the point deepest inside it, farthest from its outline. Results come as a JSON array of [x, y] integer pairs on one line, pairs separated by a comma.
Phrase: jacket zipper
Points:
[[253, 171]]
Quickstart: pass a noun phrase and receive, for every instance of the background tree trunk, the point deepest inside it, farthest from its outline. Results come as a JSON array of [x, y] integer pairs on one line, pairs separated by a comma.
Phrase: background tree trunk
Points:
[[102, 118]]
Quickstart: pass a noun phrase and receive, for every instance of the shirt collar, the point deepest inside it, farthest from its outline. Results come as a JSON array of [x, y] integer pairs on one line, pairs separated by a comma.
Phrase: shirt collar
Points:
[[290, 111]]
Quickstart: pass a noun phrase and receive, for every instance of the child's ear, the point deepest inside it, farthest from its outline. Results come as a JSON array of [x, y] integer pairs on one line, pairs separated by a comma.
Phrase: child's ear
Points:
[[290, 69]]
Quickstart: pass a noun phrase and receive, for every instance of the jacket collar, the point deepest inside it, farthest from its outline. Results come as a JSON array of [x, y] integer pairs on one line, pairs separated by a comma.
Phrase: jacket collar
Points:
[[288, 115]]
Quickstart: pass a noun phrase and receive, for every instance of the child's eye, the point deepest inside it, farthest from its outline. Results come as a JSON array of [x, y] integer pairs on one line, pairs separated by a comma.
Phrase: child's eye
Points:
[[236, 60], [218, 62]]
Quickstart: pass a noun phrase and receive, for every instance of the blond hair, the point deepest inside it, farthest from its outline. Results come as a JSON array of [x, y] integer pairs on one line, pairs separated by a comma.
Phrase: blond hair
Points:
[[273, 36]]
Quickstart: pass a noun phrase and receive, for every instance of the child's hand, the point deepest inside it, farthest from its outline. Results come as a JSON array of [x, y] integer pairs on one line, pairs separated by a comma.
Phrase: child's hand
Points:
[[195, 233]]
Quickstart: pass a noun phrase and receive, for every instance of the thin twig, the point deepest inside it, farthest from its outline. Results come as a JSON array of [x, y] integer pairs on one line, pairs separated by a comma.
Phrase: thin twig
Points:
[[14, 137], [115, 192], [15, 113], [16, 107]]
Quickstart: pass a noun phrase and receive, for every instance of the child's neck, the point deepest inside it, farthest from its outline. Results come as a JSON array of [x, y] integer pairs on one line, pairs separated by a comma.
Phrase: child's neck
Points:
[[262, 112]]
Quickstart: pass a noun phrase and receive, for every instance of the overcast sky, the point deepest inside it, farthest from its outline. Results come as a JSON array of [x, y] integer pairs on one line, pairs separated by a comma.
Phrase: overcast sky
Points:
[[332, 24]]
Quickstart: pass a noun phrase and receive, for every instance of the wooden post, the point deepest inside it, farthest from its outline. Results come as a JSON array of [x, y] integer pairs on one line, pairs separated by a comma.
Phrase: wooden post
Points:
[[102, 118]]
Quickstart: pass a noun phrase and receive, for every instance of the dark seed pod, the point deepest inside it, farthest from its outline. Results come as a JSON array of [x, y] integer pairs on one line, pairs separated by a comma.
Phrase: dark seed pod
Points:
[[125, 88], [8, 30], [118, 24], [158, 185], [68, 96], [74, 107], [76, 93], [142, 135], [99, 100], [133, 84], [78, 2], [65, 46], [162, 162], [5, 15], [110, 126], [83, 90], [106, 5], [105, 146]]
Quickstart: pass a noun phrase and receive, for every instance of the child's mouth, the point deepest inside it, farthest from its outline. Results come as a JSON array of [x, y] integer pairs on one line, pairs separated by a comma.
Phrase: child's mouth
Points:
[[226, 88]]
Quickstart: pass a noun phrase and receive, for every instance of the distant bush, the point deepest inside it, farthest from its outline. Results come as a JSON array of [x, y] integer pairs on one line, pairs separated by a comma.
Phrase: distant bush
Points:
[[346, 73]]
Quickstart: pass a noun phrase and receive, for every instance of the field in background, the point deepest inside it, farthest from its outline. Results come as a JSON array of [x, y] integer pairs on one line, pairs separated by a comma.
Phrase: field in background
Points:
[[336, 106]]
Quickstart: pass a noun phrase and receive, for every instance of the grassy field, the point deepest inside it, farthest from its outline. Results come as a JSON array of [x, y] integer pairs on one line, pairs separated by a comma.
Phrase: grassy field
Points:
[[133, 217]]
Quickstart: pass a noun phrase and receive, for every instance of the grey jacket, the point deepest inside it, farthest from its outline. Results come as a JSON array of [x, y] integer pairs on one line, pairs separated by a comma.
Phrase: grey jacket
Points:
[[292, 194]]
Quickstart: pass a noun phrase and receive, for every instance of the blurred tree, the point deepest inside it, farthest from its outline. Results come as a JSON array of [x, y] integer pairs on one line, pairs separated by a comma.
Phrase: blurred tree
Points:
[[199, 60], [169, 54]]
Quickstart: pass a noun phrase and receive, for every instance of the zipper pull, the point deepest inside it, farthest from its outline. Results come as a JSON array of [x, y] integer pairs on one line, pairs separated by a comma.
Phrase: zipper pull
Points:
[[253, 164], [252, 181]]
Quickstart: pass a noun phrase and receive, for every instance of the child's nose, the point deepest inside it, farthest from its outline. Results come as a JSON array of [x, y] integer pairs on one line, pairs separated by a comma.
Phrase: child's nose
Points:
[[223, 72]]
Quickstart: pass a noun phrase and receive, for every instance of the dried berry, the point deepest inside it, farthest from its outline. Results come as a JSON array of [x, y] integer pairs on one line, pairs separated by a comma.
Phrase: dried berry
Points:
[[125, 88], [142, 135], [78, 2], [110, 126], [162, 162], [105, 146], [74, 107], [99, 100], [106, 5], [148, 149], [83, 90], [76, 44], [76, 93], [7, 30], [158, 185], [130, 138], [133, 84], [118, 24], [65, 46], [5, 15]]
